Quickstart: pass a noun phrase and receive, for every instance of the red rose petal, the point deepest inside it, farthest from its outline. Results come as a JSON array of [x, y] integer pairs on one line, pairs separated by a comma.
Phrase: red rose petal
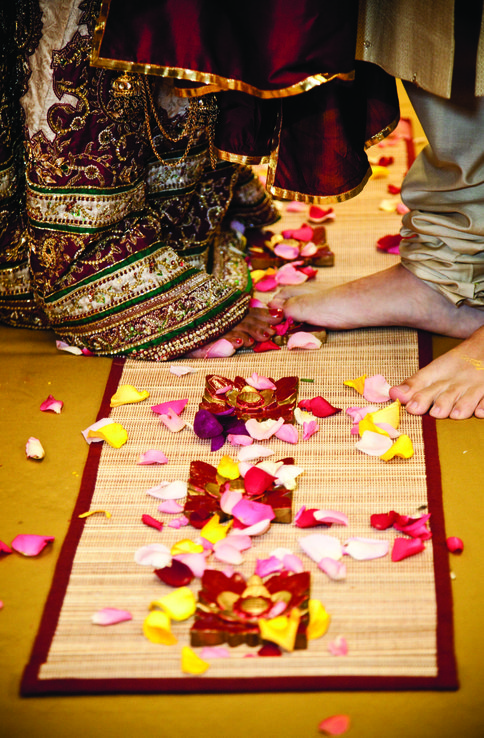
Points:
[[385, 161], [334, 725], [404, 547], [177, 574], [152, 522], [393, 190], [266, 346], [257, 481], [382, 521], [455, 545], [269, 649]]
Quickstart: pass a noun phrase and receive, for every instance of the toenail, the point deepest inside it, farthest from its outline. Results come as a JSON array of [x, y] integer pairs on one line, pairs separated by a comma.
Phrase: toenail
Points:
[[276, 312], [411, 406], [238, 341]]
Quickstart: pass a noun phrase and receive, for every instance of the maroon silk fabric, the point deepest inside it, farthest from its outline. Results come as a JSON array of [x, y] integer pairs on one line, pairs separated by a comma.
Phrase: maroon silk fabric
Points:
[[268, 44]]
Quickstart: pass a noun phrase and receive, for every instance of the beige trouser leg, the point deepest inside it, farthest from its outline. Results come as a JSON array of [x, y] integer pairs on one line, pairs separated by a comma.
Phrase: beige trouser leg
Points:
[[444, 189]]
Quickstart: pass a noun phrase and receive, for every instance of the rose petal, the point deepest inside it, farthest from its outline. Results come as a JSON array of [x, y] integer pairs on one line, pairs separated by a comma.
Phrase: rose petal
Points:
[[303, 340], [113, 433], [290, 275], [4, 549], [152, 522], [267, 284], [51, 405], [388, 206], [255, 451], [455, 545], [338, 647], [227, 554], [335, 570], [179, 370], [383, 521], [357, 384], [172, 421], [95, 426], [30, 544], [389, 244], [250, 513], [257, 481], [155, 554], [179, 604], [228, 468], [309, 250], [415, 528], [240, 541], [288, 433], [309, 429], [295, 207], [318, 215], [177, 574], [374, 444], [334, 725], [402, 447], [257, 529], [169, 490], [62, 346], [263, 430], [264, 567], [177, 406], [186, 546], [293, 563], [304, 233], [191, 663], [260, 382], [376, 389], [318, 619], [262, 346], [126, 394], [170, 506], [214, 530], [286, 475], [319, 546], [34, 449], [404, 547], [196, 562], [157, 628], [281, 630], [215, 652], [110, 616], [238, 440], [286, 251], [255, 303], [152, 456], [229, 499], [365, 549], [358, 413], [319, 407], [178, 523], [331, 516], [206, 425]]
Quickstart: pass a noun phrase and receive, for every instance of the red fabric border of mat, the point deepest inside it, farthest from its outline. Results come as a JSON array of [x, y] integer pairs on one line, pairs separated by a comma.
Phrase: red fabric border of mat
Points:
[[446, 678]]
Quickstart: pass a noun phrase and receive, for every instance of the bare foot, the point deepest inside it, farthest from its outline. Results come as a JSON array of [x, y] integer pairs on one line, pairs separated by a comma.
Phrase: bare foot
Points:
[[391, 297], [256, 326], [451, 386]]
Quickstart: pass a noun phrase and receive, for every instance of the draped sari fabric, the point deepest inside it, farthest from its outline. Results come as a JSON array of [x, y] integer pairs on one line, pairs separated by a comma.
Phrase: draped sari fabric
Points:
[[125, 253], [288, 90]]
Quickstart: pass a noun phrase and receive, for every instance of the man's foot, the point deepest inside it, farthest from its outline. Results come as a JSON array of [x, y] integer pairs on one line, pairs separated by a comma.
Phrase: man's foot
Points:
[[451, 386]]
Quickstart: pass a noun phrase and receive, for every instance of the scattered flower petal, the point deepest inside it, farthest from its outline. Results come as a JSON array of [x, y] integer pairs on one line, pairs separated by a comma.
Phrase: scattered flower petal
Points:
[[304, 233], [177, 406], [264, 567], [318, 620], [288, 274], [34, 449], [358, 413], [318, 215], [226, 553], [357, 384], [374, 444], [152, 456], [157, 628], [110, 616], [262, 346], [186, 546], [455, 545], [179, 370], [286, 475], [177, 574], [256, 451], [196, 562], [191, 663], [402, 447], [239, 440], [308, 250], [52, 405], [331, 516], [404, 547], [288, 433], [170, 506], [4, 549], [155, 554], [263, 430], [255, 303], [257, 481], [302, 416], [219, 349], [215, 652], [383, 521], [388, 206], [63, 346], [30, 545], [172, 421], [113, 433], [334, 725], [389, 244], [228, 468], [126, 394], [214, 530], [206, 425], [250, 513], [179, 604], [266, 284], [95, 426], [376, 389], [287, 251], [94, 512], [319, 407], [303, 340], [319, 546], [151, 522], [169, 490], [309, 429], [292, 563], [260, 382], [335, 570], [365, 549], [178, 523], [338, 647], [257, 529], [281, 630]]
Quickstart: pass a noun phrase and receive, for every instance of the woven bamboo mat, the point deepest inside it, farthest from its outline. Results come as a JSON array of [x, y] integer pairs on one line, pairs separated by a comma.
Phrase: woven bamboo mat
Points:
[[396, 617]]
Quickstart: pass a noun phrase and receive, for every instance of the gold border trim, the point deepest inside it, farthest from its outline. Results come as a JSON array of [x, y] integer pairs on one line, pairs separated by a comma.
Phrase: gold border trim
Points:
[[382, 134], [216, 82], [317, 199], [240, 158]]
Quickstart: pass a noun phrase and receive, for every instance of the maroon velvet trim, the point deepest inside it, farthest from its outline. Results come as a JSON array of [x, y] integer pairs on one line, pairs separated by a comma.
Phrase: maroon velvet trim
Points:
[[446, 678]]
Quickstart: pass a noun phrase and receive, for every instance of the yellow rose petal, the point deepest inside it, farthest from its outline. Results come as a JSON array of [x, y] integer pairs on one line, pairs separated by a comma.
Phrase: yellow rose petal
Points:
[[378, 172], [228, 468], [191, 663], [126, 393], [274, 240], [402, 447], [179, 604], [367, 423], [389, 414], [281, 630], [186, 546], [214, 531], [358, 384], [113, 433], [157, 628], [318, 620]]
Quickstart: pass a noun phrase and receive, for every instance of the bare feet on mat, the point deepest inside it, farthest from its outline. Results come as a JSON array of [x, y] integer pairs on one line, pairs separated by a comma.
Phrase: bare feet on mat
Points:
[[256, 326], [452, 385]]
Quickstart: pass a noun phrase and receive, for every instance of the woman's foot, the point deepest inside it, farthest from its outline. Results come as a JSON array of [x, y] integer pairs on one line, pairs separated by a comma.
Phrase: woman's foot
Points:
[[256, 326]]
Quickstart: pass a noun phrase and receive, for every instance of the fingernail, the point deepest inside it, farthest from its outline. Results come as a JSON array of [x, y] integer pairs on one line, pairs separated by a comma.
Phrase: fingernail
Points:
[[276, 312]]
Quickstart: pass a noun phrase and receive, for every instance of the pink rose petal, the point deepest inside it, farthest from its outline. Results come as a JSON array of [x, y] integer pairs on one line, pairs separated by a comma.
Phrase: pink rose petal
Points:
[[195, 561], [358, 413], [309, 429], [264, 567], [52, 405], [214, 652], [257, 481], [155, 554], [334, 725], [34, 449], [376, 389], [288, 274], [4, 549], [293, 563], [335, 570], [338, 647], [309, 250], [63, 346], [229, 499], [178, 523], [304, 233], [259, 382], [152, 522], [169, 490], [373, 444], [365, 549], [238, 440], [170, 506], [455, 545], [267, 284], [319, 546], [250, 513], [288, 433], [415, 528], [240, 541], [256, 451], [152, 456], [255, 303], [220, 349], [176, 406], [227, 554], [303, 340], [94, 427], [383, 521], [262, 431], [180, 370], [30, 545], [295, 207], [110, 616], [331, 516], [318, 215], [172, 421], [404, 547], [319, 407], [286, 251], [257, 529]]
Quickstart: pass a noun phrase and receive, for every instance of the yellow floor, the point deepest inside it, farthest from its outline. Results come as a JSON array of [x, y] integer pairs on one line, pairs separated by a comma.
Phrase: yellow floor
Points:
[[39, 498]]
